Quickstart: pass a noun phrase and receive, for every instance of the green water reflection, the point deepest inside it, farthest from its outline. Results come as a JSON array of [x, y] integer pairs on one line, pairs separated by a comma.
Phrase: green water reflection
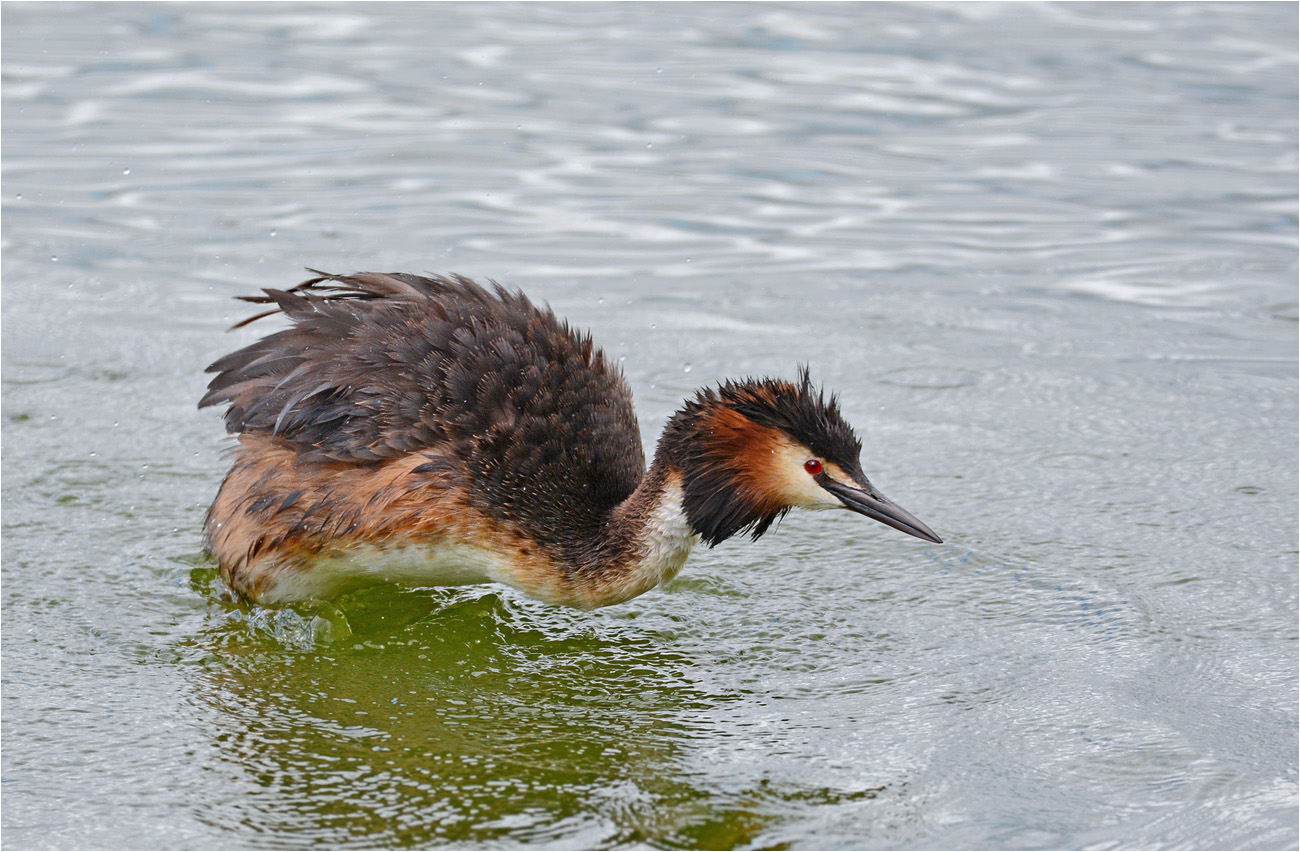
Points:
[[457, 717]]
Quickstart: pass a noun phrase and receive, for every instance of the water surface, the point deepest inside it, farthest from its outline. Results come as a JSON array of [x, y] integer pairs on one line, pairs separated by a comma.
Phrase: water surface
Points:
[[1047, 255]]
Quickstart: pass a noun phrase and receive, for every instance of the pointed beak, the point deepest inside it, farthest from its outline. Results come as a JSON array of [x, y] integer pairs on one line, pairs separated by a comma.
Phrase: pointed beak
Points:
[[870, 502]]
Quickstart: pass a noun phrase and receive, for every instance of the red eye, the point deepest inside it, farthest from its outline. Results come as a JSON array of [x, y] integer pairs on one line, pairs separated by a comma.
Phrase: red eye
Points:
[[813, 466]]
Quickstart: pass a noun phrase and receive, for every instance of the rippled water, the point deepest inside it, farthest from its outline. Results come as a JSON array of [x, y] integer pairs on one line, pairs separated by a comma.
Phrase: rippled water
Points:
[[1046, 253]]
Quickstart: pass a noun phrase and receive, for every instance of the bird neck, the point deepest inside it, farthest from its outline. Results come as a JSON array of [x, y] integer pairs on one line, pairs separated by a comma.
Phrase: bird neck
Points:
[[689, 493], [645, 542]]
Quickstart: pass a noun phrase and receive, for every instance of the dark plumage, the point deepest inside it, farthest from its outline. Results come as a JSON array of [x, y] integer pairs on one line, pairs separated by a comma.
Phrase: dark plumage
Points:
[[376, 367], [427, 415]]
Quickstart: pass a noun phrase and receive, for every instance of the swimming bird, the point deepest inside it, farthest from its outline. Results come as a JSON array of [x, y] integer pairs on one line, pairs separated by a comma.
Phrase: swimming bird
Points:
[[430, 431]]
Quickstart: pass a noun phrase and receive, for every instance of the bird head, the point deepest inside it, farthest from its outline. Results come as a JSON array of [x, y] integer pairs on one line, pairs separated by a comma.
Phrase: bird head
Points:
[[749, 451]]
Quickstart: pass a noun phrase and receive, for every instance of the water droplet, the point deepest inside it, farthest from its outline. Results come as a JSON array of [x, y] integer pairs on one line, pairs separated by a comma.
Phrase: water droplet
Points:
[[20, 195], [649, 144], [126, 171], [273, 232], [54, 258], [686, 368], [659, 70], [600, 300]]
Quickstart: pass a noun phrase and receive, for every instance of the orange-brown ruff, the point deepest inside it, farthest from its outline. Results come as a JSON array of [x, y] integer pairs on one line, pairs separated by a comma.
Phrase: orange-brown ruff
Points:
[[428, 431]]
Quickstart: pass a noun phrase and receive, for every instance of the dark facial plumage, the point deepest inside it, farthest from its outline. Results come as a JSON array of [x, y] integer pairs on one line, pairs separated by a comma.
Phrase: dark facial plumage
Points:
[[804, 414], [714, 436]]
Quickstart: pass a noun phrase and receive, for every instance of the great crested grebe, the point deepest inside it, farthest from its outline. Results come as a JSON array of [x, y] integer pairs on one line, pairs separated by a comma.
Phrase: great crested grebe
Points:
[[429, 432]]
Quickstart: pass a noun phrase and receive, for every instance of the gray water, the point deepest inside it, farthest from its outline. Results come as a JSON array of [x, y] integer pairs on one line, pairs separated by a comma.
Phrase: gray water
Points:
[[1047, 254]]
